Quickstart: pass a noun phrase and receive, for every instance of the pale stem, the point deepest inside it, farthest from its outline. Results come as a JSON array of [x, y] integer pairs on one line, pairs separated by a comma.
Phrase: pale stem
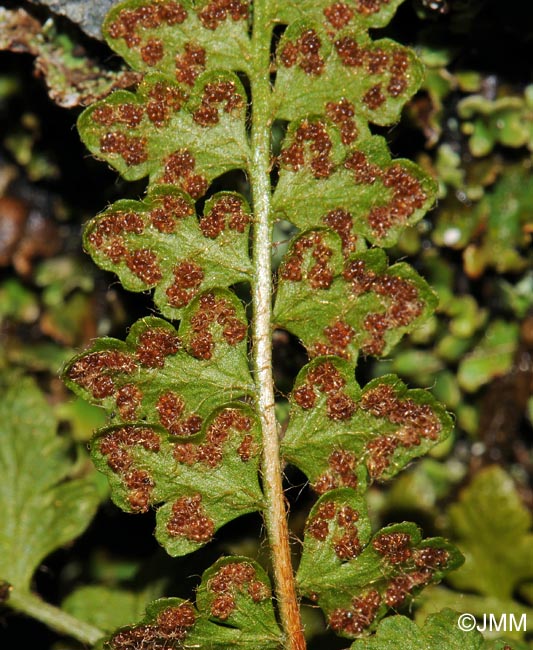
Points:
[[55, 618], [275, 514]]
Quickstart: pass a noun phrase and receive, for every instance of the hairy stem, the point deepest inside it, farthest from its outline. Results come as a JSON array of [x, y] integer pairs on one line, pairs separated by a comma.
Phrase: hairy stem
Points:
[[275, 514], [31, 605]]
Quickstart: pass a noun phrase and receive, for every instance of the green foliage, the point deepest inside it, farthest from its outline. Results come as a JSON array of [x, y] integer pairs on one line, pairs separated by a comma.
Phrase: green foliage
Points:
[[335, 426], [234, 609], [144, 253], [505, 216], [246, 119], [506, 120], [494, 232], [202, 368], [123, 607], [364, 304], [464, 347], [17, 302], [383, 571], [492, 528], [44, 504], [208, 452], [493, 356], [352, 185], [490, 508], [180, 441]]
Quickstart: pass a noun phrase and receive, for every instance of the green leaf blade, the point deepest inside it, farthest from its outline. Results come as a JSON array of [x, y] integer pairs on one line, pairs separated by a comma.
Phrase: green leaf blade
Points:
[[354, 178], [159, 242], [249, 605], [198, 482], [493, 528], [183, 443], [122, 607], [43, 508], [170, 135], [363, 13], [166, 377], [180, 38], [491, 358], [317, 68], [440, 630], [336, 428], [234, 609], [339, 307], [360, 578]]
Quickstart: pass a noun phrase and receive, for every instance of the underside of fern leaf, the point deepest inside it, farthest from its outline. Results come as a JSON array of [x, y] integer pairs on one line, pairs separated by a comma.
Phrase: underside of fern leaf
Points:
[[194, 426]]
